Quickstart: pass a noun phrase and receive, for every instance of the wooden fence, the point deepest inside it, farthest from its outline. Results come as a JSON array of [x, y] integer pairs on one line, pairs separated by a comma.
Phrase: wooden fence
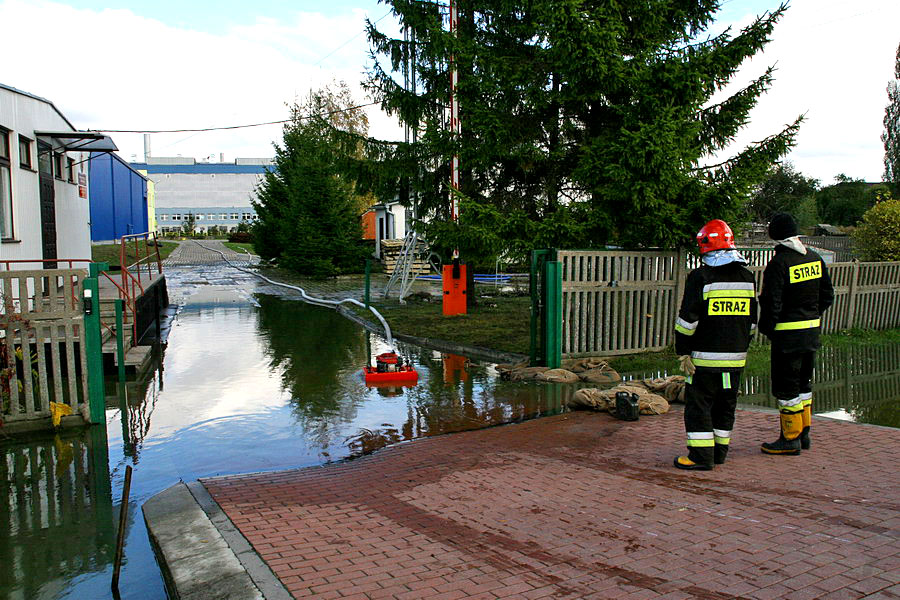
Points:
[[40, 333], [617, 302]]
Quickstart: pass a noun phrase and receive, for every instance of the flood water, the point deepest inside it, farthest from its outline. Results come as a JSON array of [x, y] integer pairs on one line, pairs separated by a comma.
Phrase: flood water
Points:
[[254, 383]]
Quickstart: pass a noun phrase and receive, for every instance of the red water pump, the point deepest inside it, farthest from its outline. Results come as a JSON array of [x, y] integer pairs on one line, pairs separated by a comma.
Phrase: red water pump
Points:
[[389, 367]]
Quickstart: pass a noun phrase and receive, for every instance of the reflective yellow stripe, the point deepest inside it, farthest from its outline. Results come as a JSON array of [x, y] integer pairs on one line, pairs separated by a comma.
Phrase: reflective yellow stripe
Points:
[[721, 441], [797, 325], [728, 294], [706, 362], [684, 330], [701, 443], [791, 410]]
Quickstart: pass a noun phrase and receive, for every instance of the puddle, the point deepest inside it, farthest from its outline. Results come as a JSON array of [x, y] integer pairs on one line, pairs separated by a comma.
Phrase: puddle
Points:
[[255, 382]]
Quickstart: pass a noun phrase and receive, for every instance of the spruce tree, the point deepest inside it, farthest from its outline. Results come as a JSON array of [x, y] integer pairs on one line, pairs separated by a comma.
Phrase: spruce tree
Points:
[[308, 214], [583, 123]]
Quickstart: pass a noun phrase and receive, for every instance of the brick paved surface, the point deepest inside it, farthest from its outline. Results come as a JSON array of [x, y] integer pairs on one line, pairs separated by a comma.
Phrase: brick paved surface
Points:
[[583, 506]]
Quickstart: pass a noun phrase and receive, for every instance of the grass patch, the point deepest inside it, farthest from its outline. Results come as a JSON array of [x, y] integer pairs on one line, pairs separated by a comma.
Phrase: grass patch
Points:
[[861, 337], [500, 323], [240, 246], [110, 253]]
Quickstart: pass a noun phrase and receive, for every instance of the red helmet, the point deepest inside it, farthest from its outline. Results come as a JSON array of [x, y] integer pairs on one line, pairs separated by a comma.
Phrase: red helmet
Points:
[[715, 235]]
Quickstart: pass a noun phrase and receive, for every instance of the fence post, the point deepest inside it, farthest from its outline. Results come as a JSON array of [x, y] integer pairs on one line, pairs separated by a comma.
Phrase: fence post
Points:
[[851, 296], [368, 272], [553, 314], [93, 348], [120, 338]]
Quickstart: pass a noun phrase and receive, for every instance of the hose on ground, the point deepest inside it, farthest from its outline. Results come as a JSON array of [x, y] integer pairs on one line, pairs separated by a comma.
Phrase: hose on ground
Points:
[[311, 299]]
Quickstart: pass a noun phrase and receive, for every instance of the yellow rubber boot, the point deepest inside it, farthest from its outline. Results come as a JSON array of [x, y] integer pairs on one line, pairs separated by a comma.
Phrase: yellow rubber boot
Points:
[[789, 441], [807, 421]]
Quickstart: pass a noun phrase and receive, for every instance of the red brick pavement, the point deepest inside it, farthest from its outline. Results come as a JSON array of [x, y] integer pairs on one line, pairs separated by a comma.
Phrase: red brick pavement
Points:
[[583, 506]]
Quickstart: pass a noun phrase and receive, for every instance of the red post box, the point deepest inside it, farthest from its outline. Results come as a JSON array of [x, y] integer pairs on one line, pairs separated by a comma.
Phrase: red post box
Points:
[[454, 280]]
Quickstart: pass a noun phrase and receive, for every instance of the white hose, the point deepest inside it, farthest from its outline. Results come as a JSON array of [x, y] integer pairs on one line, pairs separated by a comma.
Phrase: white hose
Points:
[[307, 298]]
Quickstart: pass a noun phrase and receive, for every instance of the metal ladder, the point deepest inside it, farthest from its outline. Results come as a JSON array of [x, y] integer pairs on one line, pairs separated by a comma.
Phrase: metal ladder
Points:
[[404, 274]]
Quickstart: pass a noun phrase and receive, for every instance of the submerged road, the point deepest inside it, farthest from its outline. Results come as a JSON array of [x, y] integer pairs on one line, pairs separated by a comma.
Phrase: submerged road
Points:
[[583, 506]]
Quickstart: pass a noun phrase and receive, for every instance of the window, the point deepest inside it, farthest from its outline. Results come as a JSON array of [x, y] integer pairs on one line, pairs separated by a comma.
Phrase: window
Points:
[[25, 153], [6, 230], [176, 217], [235, 216], [58, 162], [70, 170], [247, 216], [199, 217]]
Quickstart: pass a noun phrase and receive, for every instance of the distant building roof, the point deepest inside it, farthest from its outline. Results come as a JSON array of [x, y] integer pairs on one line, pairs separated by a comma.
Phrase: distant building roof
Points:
[[190, 166]]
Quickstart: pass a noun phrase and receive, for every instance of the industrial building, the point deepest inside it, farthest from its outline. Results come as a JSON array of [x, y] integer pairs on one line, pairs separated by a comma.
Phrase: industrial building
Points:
[[215, 194], [119, 199]]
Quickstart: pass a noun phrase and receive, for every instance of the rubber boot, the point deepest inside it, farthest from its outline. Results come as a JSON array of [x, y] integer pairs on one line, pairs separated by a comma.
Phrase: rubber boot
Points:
[[683, 462], [788, 442], [721, 452], [807, 421]]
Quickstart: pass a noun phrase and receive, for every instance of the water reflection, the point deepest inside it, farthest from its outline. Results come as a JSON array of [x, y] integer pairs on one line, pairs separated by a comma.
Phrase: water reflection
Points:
[[859, 383], [56, 512]]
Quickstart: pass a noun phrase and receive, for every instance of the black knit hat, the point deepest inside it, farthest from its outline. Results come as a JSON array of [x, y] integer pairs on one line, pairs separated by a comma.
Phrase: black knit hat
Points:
[[782, 226]]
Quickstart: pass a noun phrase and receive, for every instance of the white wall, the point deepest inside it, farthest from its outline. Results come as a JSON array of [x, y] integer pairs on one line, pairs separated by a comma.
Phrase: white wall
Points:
[[203, 190], [23, 115]]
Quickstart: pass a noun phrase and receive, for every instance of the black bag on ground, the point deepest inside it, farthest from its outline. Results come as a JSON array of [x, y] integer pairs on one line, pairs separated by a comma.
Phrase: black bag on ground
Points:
[[627, 406]]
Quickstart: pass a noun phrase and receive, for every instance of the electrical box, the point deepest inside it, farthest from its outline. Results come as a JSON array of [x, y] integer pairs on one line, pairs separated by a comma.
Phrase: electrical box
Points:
[[454, 280]]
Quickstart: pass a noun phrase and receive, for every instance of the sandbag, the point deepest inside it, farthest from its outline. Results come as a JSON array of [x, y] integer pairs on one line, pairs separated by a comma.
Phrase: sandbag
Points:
[[580, 365], [526, 373], [603, 374], [557, 376], [589, 399], [605, 399]]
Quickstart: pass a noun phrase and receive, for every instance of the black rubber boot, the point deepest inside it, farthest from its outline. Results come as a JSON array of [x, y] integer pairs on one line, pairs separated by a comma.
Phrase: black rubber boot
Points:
[[683, 462], [804, 439], [721, 453], [782, 446]]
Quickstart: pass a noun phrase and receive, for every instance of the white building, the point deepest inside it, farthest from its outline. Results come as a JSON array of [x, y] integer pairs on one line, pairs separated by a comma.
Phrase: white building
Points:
[[44, 209]]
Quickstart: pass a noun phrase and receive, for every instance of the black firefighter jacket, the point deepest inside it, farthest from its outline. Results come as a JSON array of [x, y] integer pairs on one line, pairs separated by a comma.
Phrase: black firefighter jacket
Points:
[[717, 317], [796, 291]]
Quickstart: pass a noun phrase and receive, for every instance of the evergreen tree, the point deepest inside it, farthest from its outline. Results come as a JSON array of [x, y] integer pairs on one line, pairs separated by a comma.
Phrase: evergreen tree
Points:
[[891, 135], [308, 213], [582, 123], [784, 189]]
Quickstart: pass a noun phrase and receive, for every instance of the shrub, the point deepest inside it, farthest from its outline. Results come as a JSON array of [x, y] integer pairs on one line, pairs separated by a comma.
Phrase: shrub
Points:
[[877, 237], [241, 237]]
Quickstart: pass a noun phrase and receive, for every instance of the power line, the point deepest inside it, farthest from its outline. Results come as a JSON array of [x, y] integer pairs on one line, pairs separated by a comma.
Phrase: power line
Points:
[[318, 62], [282, 121]]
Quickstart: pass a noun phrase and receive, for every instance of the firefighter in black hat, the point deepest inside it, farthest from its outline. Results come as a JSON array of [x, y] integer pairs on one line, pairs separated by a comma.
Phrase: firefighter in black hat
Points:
[[712, 333], [796, 291]]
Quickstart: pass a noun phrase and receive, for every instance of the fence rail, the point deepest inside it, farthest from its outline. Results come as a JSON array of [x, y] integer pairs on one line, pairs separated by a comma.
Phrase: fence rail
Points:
[[616, 302]]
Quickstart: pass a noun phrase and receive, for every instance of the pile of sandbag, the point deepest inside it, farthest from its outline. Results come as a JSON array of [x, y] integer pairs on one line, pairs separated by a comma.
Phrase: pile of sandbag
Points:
[[654, 395], [590, 370]]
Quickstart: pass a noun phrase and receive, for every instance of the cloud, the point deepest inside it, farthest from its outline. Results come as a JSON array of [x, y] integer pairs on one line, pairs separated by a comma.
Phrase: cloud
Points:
[[833, 60], [114, 69]]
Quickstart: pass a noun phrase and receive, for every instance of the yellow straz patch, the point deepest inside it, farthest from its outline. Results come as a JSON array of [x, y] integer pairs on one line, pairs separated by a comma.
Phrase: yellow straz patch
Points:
[[805, 272], [727, 307]]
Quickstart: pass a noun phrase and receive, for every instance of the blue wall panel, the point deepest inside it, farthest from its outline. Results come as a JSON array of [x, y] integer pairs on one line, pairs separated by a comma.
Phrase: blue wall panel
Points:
[[118, 198]]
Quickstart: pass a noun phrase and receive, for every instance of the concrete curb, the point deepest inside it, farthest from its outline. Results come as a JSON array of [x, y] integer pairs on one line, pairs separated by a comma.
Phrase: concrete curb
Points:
[[473, 352], [201, 555]]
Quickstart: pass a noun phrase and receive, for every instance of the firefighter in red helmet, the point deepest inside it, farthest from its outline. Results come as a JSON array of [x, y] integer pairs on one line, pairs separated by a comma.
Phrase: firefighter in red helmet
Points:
[[712, 333]]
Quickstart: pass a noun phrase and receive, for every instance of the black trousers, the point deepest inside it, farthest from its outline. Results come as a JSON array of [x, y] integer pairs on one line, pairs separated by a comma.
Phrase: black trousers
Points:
[[792, 373], [709, 403]]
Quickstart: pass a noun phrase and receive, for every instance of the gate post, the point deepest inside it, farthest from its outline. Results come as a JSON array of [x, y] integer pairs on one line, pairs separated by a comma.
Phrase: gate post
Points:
[[537, 286], [93, 348], [553, 314]]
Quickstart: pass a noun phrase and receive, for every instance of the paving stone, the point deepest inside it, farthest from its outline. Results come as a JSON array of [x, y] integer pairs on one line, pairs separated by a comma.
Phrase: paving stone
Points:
[[583, 506]]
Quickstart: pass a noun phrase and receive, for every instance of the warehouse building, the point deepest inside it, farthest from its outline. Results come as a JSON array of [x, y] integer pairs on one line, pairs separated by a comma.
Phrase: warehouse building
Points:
[[213, 194]]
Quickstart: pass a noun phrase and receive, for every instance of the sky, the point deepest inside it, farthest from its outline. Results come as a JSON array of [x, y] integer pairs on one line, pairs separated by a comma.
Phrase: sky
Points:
[[123, 64]]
